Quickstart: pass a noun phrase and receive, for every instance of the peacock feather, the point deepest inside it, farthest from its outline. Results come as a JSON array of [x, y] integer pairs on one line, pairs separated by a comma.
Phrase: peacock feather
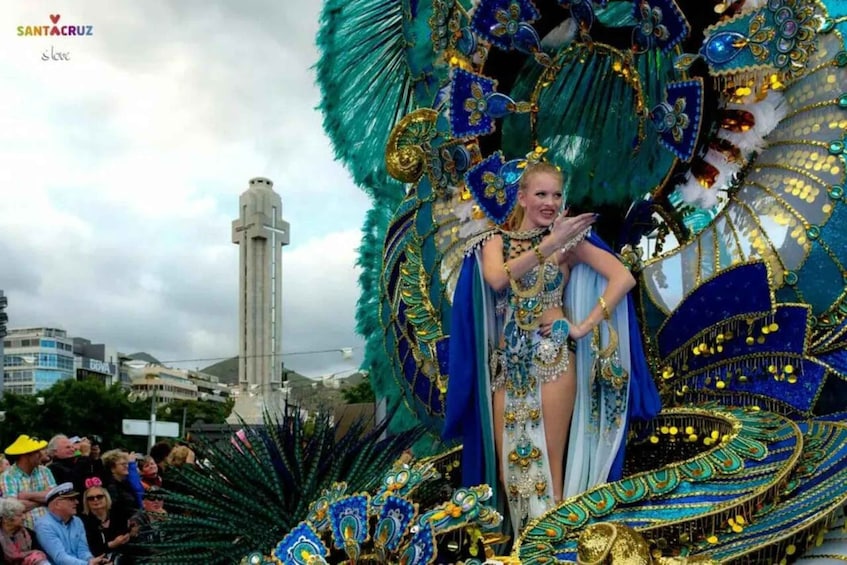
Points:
[[246, 495]]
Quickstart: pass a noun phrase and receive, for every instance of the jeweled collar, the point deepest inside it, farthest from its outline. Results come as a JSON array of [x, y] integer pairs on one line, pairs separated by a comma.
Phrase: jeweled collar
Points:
[[524, 235]]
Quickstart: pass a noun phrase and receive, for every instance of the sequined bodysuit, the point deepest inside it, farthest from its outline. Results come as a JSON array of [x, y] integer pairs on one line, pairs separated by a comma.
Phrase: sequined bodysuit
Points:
[[525, 361]]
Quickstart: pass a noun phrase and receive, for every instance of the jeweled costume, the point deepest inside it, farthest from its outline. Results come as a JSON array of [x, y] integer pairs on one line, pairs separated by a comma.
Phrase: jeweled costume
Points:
[[478, 365]]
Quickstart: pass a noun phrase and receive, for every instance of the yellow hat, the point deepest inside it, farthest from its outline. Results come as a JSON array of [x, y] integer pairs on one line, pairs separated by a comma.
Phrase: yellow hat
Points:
[[25, 444]]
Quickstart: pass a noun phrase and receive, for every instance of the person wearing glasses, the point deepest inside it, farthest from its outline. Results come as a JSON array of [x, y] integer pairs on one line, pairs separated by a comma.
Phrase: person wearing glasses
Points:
[[120, 467], [106, 529], [61, 532]]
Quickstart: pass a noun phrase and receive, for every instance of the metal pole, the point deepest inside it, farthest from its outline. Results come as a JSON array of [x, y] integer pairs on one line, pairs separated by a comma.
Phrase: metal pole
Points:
[[184, 414], [152, 440]]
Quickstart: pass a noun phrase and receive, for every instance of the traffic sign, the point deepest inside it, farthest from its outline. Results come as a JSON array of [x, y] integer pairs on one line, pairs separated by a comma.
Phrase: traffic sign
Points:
[[142, 428]]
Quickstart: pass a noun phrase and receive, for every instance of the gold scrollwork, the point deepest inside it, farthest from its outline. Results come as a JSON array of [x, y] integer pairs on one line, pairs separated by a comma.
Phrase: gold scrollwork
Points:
[[405, 155]]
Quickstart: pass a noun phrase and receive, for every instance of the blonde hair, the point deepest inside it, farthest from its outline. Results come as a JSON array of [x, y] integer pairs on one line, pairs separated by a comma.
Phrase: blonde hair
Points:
[[537, 168], [114, 456], [102, 490], [178, 456]]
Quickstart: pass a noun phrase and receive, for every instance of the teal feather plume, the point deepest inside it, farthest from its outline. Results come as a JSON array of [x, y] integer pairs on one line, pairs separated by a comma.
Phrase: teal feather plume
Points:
[[365, 84], [246, 496]]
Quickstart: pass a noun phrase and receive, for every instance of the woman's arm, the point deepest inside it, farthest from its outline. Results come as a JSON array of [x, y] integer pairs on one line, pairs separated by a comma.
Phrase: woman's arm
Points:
[[620, 283], [498, 272]]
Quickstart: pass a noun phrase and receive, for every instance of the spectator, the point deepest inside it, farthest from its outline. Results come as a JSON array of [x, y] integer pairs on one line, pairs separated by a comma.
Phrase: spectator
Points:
[[154, 505], [180, 455], [159, 453], [28, 480], [15, 539], [106, 530], [61, 532], [76, 441], [150, 473], [119, 466], [4, 463], [94, 454], [67, 466]]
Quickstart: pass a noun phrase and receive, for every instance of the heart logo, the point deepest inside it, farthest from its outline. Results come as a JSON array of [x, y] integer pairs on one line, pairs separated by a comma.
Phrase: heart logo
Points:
[[54, 18]]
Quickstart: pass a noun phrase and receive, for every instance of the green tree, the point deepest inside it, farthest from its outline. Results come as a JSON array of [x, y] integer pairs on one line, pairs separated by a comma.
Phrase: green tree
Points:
[[74, 408], [88, 408], [361, 393], [210, 412]]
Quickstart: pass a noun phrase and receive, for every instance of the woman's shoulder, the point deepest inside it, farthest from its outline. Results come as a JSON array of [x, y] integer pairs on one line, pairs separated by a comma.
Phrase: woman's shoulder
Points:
[[494, 238]]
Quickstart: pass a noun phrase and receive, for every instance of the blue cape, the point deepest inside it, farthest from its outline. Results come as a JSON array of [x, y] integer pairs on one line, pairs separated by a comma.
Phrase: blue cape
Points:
[[468, 414]]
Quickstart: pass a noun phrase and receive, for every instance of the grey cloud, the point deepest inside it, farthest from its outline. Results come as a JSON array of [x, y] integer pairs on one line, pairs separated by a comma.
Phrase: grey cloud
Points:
[[140, 282]]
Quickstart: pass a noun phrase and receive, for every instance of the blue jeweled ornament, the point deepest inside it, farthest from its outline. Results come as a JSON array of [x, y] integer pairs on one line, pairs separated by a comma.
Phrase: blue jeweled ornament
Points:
[[723, 47], [496, 197], [302, 546], [469, 104], [500, 21], [661, 24], [678, 118], [466, 44]]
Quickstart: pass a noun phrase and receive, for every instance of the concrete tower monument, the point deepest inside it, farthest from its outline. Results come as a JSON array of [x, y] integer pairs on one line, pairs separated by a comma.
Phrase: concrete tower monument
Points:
[[260, 232]]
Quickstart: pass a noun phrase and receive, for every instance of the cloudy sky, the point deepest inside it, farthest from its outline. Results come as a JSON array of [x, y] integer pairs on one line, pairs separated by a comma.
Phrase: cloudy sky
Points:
[[120, 172]]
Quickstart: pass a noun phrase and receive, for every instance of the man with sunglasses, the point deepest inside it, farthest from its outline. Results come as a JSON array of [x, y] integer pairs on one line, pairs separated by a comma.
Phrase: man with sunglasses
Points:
[[61, 532]]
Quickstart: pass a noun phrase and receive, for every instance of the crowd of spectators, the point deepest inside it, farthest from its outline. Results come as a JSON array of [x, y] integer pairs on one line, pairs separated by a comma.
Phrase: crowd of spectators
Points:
[[45, 484]]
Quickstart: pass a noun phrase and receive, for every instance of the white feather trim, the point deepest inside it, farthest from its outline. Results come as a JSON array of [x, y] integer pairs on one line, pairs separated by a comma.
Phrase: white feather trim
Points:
[[726, 169], [561, 35], [767, 113], [693, 193], [464, 211]]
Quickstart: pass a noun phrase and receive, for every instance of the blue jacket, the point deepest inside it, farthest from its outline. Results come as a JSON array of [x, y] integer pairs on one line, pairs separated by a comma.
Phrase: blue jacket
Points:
[[63, 542]]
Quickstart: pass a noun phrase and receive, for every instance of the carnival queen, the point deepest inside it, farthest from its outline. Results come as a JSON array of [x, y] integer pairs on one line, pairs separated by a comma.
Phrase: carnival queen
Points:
[[546, 364]]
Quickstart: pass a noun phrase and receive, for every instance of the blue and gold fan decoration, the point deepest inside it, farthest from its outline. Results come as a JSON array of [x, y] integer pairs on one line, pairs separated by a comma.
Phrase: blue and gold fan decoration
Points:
[[711, 136], [394, 525]]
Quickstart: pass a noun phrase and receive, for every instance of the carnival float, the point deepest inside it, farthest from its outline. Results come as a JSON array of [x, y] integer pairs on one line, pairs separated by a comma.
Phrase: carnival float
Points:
[[711, 137]]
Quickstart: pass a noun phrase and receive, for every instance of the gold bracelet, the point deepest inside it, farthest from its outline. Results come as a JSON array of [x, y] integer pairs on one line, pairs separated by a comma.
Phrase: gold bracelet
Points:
[[508, 270], [602, 302], [539, 255]]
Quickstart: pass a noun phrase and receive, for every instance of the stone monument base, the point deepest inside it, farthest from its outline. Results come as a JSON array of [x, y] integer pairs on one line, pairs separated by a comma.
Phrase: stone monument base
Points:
[[251, 409]]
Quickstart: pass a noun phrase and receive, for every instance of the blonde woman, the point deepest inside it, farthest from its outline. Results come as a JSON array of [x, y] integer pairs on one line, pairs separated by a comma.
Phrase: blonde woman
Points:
[[121, 480], [531, 415], [106, 529]]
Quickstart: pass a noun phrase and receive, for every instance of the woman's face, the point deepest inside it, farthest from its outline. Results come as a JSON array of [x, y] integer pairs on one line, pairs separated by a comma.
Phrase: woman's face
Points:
[[4, 464], [150, 468], [96, 498], [121, 468], [541, 200], [15, 522]]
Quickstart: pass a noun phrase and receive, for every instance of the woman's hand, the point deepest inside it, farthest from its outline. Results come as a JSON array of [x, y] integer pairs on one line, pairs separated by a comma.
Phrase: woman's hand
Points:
[[118, 541], [578, 331], [565, 228]]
